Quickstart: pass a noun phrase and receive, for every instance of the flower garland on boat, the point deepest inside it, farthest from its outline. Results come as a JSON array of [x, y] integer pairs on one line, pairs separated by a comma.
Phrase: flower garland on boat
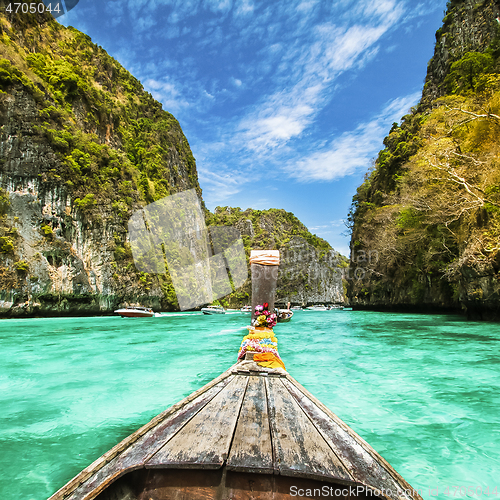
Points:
[[264, 317], [261, 339]]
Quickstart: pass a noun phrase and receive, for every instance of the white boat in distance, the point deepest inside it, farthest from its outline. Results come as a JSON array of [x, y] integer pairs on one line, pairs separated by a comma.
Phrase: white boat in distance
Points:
[[135, 312], [213, 310], [318, 307], [246, 309]]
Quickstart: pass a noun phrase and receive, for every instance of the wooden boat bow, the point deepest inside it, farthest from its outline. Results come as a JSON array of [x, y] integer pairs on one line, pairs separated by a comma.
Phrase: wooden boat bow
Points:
[[250, 424], [252, 433]]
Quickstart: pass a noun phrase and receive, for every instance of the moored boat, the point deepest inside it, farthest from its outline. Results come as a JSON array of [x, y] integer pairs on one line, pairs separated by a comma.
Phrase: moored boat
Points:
[[284, 315], [246, 309], [135, 312], [213, 310], [317, 307]]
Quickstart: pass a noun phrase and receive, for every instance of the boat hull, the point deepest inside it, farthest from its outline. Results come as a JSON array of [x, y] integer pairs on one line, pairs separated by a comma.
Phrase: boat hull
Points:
[[206, 484], [209, 311], [134, 314]]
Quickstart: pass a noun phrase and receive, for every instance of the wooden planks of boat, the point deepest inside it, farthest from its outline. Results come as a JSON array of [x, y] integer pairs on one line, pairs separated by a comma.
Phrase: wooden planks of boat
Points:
[[251, 433]]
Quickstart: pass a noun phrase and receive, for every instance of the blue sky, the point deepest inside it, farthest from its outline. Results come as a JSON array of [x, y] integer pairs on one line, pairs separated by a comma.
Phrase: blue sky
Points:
[[284, 103]]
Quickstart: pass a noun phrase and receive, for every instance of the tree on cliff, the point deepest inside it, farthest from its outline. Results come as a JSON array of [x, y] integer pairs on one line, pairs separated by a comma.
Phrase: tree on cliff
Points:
[[431, 205]]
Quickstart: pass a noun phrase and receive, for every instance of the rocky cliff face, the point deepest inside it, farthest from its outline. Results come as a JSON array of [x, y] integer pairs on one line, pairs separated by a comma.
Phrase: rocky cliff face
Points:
[[426, 221], [81, 147], [310, 271], [468, 26], [307, 276]]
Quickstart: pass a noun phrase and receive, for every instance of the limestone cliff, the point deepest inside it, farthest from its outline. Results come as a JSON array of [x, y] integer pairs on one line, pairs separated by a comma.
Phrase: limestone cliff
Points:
[[82, 146], [426, 221], [468, 26], [310, 271]]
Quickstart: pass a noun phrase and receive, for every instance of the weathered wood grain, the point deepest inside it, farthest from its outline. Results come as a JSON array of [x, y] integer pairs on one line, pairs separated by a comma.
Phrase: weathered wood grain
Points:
[[357, 446], [299, 447], [206, 438], [139, 452], [86, 473], [361, 465], [251, 449], [222, 484]]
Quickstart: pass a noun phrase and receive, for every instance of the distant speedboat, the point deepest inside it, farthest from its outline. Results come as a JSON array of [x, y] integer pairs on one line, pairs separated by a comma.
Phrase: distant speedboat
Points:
[[318, 307], [135, 312], [213, 310], [296, 308], [246, 309]]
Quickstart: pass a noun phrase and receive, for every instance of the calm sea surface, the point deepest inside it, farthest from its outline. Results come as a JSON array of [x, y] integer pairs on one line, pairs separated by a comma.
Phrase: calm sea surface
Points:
[[423, 390]]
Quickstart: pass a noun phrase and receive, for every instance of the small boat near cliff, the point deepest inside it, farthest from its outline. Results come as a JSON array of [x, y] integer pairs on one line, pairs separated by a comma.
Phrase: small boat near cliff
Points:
[[317, 307], [135, 312], [284, 315], [213, 310]]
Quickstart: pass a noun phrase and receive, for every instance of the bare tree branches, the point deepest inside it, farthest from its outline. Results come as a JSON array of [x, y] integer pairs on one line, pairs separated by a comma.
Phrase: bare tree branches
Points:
[[453, 176], [475, 115]]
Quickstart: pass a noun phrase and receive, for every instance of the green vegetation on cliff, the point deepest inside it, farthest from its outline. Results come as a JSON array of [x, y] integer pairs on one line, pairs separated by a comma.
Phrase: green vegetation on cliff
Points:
[[430, 208], [277, 229], [84, 146], [109, 135], [273, 228], [79, 127]]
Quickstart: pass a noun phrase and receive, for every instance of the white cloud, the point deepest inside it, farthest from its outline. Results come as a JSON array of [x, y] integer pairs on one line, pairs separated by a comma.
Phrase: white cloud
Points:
[[217, 6], [167, 93], [353, 150], [221, 184], [306, 72], [243, 8]]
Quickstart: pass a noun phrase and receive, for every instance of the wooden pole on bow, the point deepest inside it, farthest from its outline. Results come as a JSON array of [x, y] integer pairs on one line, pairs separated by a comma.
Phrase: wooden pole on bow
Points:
[[264, 268]]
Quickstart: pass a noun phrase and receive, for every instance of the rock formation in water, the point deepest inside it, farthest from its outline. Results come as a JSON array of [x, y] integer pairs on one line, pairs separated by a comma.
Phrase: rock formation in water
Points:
[[426, 221], [83, 146], [310, 271]]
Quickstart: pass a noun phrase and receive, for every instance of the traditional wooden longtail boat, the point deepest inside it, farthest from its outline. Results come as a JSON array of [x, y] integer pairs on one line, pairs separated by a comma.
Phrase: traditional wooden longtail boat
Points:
[[284, 315], [252, 433]]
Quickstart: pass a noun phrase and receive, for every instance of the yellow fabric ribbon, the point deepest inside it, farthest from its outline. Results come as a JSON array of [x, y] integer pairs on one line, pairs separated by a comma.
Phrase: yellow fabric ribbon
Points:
[[268, 360]]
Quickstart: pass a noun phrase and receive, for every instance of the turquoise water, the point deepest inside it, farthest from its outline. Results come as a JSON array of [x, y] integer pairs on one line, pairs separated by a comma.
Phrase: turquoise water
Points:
[[423, 390]]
